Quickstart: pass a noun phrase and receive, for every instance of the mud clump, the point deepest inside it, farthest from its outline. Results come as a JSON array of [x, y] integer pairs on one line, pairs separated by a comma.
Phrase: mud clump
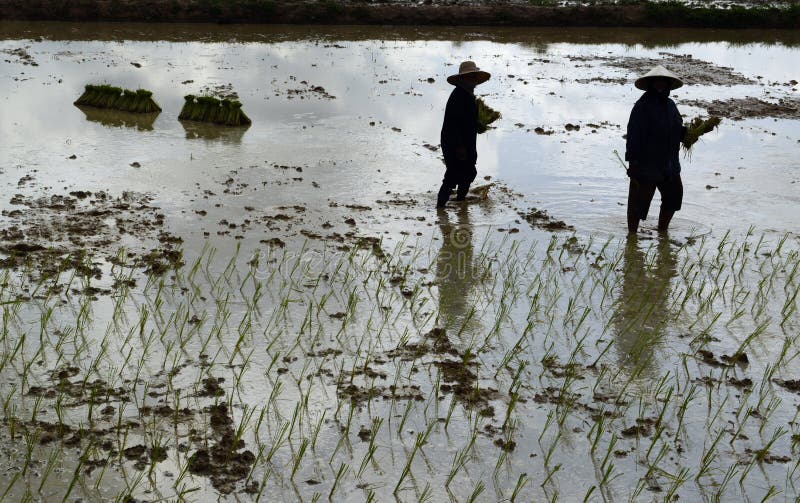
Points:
[[749, 108], [505, 445], [308, 91], [160, 260], [710, 359], [457, 374], [211, 387], [360, 394], [791, 384], [224, 462], [80, 390], [740, 383], [540, 219], [143, 456]]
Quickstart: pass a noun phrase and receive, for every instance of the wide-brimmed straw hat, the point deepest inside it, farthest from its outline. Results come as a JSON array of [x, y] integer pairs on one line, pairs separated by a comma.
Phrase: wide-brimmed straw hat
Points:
[[467, 68], [659, 72]]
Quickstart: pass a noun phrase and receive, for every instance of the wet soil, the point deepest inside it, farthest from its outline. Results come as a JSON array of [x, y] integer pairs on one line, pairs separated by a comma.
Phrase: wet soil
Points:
[[225, 461], [404, 12], [693, 71], [457, 368], [48, 235], [540, 219], [747, 108], [219, 455]]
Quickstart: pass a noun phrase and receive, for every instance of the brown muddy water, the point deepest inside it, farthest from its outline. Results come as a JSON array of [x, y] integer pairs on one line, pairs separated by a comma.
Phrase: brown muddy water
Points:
[[277, 313]]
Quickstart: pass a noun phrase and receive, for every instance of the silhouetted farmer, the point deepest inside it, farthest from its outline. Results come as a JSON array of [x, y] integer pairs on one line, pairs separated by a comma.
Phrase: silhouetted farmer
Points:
[[655, 131], [459, 131]]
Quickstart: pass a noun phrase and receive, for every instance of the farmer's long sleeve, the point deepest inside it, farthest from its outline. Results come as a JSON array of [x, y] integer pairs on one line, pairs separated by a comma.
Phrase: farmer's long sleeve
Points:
[[655, 131], [460, 127], [635, 136]]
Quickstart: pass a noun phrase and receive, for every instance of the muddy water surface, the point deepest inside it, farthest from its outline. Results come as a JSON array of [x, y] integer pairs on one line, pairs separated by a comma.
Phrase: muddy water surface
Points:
[[543, 83], [290, 319]]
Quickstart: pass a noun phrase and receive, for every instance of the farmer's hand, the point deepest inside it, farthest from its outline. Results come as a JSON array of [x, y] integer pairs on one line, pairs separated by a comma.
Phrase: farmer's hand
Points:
[[633, 169]]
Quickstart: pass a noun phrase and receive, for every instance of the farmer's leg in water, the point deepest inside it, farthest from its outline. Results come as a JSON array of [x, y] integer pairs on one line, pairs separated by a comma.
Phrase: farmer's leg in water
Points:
[[640, 195], [468, 175], [450, 181], [671, 191]]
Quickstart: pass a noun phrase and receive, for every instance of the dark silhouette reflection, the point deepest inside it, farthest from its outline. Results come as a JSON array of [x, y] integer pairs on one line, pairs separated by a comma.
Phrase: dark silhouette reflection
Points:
[[117, 118], [213, 132], [643, 307], [456, 272]]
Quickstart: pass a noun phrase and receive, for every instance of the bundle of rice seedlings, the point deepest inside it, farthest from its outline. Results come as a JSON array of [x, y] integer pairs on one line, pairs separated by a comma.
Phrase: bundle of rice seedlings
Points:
[[116, 98], [188, 108], [127, 101], [237, 115], [209, 109], [88, 95], [697, 128], [144, 102], [486, 115]]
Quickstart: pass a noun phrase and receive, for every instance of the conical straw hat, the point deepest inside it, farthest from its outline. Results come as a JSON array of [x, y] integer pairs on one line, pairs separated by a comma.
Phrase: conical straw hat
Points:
[[659, 71], [466, 68]]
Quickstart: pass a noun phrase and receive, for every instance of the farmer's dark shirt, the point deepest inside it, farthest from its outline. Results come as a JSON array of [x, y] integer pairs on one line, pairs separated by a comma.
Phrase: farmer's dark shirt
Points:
[[460, 127], [655, 131]]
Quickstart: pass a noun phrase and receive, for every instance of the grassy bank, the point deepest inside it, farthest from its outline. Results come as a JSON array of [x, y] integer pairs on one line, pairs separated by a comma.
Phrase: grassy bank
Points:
[[644, 14]]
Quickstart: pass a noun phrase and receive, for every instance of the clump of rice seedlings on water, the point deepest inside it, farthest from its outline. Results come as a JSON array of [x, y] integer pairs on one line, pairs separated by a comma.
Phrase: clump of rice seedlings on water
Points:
[[225, 112], [115, 98], [697, 128], [486, 116]]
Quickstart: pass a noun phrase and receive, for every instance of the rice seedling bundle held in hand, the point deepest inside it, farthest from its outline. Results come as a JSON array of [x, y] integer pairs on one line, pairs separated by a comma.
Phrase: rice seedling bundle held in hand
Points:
[[697, 128], [116, 98], [209, 109], [486, 115]]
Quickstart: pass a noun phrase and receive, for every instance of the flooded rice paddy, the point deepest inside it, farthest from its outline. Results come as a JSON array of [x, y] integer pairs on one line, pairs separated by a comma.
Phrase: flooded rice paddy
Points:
[[277, 313]]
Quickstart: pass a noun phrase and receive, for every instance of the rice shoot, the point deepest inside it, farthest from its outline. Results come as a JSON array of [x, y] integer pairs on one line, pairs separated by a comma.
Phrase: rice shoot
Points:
[[486, 116], [697, 128]]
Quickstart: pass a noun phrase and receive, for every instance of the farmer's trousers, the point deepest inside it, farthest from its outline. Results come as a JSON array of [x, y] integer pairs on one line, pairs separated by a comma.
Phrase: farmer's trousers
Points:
[[458, 174], [641, 192]]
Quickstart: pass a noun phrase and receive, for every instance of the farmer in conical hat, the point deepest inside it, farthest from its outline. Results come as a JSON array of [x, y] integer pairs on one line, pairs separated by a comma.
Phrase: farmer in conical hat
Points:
[[655, 131], [459, 132]]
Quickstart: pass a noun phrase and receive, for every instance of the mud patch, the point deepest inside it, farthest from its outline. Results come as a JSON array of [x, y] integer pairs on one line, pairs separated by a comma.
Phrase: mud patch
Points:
[[540, 219], [220, 91], [304, 90], [693, 71], [60, 232], [21, 54], [749, 108], [224, 462]]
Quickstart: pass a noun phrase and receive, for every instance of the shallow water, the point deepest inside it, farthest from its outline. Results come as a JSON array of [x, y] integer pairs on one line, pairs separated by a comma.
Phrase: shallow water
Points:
[[574, 175], [592, 317]]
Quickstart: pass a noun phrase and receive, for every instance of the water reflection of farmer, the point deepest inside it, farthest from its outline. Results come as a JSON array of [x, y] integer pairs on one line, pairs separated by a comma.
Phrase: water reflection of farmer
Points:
[[655, 131], [643, 305], [459, 132], [455, 269]]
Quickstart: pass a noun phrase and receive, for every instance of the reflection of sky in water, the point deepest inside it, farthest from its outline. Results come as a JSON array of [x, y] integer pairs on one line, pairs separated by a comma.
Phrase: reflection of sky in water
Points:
[[574, 176]]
